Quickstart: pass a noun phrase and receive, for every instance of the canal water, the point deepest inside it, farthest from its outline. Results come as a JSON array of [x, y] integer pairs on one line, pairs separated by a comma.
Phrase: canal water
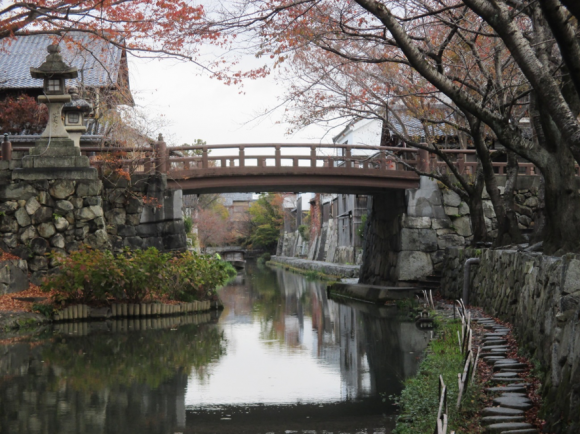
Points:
[[280, 358]]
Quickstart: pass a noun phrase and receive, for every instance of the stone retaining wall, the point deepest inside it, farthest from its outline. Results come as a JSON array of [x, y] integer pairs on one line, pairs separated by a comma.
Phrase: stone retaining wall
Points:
[[329, 268], [540, 296], [43, 217]]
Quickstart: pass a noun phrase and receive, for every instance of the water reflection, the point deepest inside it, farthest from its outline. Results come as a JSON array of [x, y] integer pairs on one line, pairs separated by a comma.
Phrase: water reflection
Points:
[[281, 357]]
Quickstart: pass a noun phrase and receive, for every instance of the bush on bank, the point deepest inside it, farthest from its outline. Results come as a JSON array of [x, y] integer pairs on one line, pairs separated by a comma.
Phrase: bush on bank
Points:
[[419, 401], [89, 276]]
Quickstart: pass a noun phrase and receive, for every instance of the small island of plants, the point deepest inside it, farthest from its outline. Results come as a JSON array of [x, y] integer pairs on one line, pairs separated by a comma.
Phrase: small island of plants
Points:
[[101, 278]]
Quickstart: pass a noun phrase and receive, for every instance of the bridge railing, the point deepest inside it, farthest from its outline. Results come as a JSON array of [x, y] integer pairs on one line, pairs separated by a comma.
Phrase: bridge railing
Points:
[[292, 155], [161, 159]]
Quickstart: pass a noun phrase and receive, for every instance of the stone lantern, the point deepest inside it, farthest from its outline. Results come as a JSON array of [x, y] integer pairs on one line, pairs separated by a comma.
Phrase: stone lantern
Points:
[[74, 113], [53, 72], [55, 155]]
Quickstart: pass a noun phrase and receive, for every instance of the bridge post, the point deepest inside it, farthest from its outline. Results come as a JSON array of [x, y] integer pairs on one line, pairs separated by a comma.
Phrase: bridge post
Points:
[[161, 156], [313, 156], [278, 157], [204, 158], [347, 161], [6, 149], [423, 160], [461, 163], [242, 157]]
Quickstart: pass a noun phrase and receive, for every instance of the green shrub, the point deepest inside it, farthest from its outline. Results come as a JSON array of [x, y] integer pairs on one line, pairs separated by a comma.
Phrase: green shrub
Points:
[[94, 276], [304, 231], [188, 224], [192, 276]]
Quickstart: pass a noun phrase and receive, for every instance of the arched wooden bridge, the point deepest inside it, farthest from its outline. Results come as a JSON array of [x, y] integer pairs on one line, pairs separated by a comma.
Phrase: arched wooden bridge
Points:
[[273, 167]]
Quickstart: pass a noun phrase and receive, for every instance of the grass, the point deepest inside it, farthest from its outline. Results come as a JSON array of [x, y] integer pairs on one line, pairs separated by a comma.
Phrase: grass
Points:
[[309, 274], [419, 400]]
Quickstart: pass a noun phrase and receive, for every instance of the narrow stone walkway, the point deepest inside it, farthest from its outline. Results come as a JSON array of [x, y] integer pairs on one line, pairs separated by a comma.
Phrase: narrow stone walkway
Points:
[[509, 391]]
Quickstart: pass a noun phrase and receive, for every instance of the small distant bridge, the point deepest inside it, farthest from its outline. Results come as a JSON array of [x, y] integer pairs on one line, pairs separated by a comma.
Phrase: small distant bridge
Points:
[[275, 167]]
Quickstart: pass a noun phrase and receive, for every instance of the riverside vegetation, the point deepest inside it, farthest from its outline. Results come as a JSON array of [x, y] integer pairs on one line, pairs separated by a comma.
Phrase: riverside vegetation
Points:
[[96, 277], [419, 401]]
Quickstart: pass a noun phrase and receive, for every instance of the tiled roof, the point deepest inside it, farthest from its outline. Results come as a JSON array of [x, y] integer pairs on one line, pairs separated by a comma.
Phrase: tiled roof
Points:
[[98, 62], [230, 198]]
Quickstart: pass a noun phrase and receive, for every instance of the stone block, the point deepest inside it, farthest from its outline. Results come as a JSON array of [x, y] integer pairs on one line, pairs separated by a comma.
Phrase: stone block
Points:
[[126, 231], [438, 256], [9, 207], [450, 198], [8, 224], [89, 213], [42, 215], [117, 196], [175, 242], [46, 230], [532, 202], [440, 223], [89, 188], [415, 222], [413, 265], [62, 188], [116, 216], [72, 246], [81, 232], [28, 234], [77, 202], [156, 242], [133, 242], [61, 224], [462, 226], [17, 191], [13, 277], [45, 199], [134, 205], [22, 217], [60, 173], [488, 210], [63, 206], [32, 205], [39, 246], [99, 223], [133, 219], [423, 240], [147, 230], [11, 240], [451, 211], [571, 281], [92, 200], [450, 240], [464, 208], [99, 240], [38, 263], [58, 241]]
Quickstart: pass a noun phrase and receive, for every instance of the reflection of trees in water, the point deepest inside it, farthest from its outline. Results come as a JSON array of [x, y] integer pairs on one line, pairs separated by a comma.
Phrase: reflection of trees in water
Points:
[[113, 383]]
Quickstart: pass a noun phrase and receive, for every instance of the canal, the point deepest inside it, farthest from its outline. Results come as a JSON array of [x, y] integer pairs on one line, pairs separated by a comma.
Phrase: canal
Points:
[[280, 358]]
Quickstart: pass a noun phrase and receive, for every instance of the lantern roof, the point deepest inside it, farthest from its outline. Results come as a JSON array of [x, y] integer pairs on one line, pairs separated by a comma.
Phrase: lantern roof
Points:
[[54, 66], [76, 103]]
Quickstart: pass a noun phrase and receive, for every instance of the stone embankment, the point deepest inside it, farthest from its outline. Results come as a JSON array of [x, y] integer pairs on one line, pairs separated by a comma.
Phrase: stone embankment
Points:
[[328, 268], [540, 296], [373, 293]]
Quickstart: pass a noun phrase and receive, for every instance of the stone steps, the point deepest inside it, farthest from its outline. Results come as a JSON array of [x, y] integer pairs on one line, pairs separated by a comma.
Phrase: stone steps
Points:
[[509, 415]]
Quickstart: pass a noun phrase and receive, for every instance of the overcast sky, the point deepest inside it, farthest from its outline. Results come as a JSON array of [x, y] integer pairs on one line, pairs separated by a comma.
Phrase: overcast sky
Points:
[[197, 107]]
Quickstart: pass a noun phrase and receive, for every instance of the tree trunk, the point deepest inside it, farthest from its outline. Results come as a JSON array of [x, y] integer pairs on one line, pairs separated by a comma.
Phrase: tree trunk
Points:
[[562, 209], [508, 230], [476, 209]]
